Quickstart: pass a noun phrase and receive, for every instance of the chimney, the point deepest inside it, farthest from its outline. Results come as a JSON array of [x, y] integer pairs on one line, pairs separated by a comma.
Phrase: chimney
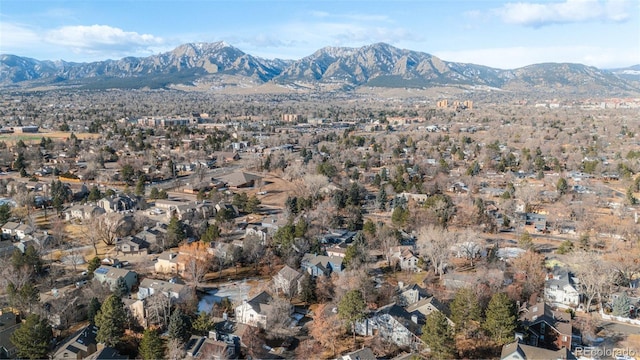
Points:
[[400, 285], [414, 318], [213, 335]]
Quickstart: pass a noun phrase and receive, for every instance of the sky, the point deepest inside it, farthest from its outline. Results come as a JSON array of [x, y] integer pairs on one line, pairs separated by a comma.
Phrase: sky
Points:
[[501, 34]]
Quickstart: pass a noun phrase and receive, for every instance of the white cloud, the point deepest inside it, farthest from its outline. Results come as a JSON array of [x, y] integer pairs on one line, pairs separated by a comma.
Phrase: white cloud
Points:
[[569, 11], [515, 57], [16, 36], [100, 38], [350, 16]]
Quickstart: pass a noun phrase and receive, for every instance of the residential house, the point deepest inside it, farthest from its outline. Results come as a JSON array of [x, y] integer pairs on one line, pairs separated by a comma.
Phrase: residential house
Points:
[[259, 232], [118, 203], [520, 351], [175, 292], [392, 323], [80, 345], [240, 179], [40, 238], [106, 353], [9, 323], [338, 236], [227, 207], [110, 275], [223, 157], [410, 294], [167, 205], [418, 198], [361, 354], [288, 281], [83, 212], [317, 265], [153, 236], [132, 245], [425, 307], [9, 229], [137, 309], [407, 260], [170, 263], [273, 223], [560, 288], [537, 222], [210, 348], [544, 327], [254, 312], [23, 230]]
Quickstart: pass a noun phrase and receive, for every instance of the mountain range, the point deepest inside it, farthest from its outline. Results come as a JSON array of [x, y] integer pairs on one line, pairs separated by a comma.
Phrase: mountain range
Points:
[[215, 65]]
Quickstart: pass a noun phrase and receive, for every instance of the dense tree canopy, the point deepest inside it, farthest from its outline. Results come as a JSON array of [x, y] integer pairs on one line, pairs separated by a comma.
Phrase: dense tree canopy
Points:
[[33, 338]]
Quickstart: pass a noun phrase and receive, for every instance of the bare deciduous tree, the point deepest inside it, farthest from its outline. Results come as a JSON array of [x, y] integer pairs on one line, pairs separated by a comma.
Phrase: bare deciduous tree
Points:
[[158, 309], [434, 244], [198, 261], [104, 228], [278, 316], [175, 349], [594, 275]]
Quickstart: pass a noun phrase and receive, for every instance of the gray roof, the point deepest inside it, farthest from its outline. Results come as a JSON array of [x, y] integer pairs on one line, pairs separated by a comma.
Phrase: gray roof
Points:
[[361, 354], [259, 303], [533, 352]]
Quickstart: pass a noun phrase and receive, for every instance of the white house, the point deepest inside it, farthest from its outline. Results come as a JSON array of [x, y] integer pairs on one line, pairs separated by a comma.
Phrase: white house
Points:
[[392, 323], [254, 311], [175, 292], [560, 289]]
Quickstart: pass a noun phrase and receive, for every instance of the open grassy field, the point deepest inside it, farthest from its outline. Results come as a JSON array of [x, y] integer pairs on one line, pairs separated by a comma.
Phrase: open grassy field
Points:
[[36, 137]]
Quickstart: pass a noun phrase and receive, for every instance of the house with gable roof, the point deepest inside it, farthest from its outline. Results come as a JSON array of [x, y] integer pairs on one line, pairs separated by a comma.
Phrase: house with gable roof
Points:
[[520, 351], [110, 275], [427, 306], [254, 311], [411, 294], [9, 323], [560, 288], [80, 345], [393, 323], [288, 281], [545, 327], [317, 265]]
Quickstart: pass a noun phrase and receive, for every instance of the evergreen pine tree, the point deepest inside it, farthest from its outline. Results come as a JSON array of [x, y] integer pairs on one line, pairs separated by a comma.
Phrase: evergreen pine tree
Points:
[[351, 309], [203, 323], [122, 288], [438, 335], [179, 326], [621, 305], [308, 289], [32, 338], [110, 321], [92, 309], [175, 232], [140, 186], [500, 320], [465, 308], [151, 346]]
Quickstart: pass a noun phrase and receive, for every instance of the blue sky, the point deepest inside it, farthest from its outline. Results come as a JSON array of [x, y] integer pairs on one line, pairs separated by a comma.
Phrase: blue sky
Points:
[[503, 34]]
